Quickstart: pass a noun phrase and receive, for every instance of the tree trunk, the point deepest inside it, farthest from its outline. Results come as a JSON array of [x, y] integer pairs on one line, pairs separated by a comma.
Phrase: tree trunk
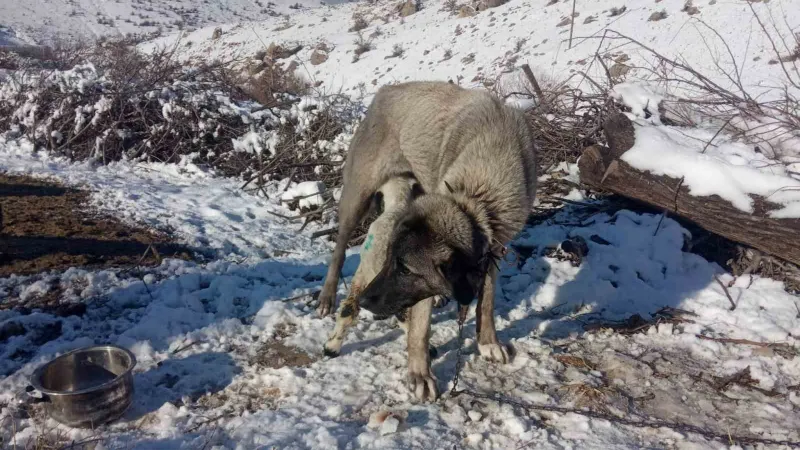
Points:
[[601, 168]]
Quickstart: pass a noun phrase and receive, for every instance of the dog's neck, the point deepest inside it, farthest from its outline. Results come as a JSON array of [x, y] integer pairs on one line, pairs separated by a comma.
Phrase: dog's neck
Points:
[[477, 210]]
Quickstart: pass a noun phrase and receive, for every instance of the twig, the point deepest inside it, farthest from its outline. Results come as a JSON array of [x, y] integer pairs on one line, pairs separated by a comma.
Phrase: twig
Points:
[[717, 134], [571, 25], [326, 232], [663, 214], [213, 419], [312, 294], [538, 89], [727, 294], [572, 202], [740, 341], [185, 347], [740, 377]]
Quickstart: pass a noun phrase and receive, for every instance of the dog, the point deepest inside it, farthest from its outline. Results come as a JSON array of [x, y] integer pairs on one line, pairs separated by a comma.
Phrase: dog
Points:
[[390, 202], [474, 159]]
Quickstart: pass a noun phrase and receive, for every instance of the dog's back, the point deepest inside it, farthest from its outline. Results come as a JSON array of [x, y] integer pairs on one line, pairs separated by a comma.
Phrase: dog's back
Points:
[[444, 132]]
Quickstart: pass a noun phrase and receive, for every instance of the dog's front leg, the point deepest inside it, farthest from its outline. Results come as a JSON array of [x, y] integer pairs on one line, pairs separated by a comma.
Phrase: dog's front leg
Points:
[[345, 319], [488, 345], [420, 378]]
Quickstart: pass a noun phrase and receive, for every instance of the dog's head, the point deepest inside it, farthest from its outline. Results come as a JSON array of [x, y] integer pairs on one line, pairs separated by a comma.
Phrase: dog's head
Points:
[[436, 248]]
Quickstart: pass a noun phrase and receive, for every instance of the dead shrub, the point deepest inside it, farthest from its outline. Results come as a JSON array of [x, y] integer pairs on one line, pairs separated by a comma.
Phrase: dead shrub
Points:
[[616, 11], [450, 6], [359, 23], [397, 51], [363, 45], [269, 80]]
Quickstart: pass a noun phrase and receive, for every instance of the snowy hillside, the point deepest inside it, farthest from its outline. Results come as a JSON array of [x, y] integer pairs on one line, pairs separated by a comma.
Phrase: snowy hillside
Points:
[[42, 21], [622, 333], [447, 40]]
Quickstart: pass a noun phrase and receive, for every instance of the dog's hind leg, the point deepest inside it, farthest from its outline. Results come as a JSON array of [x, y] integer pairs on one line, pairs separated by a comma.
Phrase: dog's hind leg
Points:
[[345, 319], [420, 378], [488, 345]]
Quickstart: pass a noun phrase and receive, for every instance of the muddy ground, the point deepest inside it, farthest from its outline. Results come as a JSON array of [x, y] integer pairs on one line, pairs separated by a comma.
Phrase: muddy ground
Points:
[[46, 226]]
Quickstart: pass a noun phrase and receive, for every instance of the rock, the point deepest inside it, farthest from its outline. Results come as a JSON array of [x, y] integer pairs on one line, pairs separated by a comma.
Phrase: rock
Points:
[[390, 425], [377, 418], [575, 246], [466, 11], [486, 4], [318, 57], [656, 16], [217, 33], [407, 8], [475, 416], [260, 55], [275, 51]]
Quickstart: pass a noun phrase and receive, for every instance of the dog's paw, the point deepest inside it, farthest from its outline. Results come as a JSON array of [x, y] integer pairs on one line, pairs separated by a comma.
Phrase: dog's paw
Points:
[[495, 352], [423, 386], [325, 306], [330, 352]]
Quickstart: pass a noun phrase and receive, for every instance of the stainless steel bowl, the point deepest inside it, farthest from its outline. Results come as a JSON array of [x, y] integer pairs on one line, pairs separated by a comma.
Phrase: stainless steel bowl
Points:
[[87, 387]]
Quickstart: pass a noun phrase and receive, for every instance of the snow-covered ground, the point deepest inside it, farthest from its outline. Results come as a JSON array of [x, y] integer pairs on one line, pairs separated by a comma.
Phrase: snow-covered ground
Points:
[[201, 332], [224, 363]]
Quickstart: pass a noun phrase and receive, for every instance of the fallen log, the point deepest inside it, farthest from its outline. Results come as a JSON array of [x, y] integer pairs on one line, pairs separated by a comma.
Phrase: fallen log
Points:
[[601, 168]]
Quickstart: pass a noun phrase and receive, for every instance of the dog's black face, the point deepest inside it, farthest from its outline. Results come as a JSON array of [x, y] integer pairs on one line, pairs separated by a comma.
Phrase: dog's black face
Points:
[[421, 263]]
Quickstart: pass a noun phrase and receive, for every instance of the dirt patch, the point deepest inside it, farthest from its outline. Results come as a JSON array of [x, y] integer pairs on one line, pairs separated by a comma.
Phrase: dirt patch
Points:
[[274, 353], [46, 226]]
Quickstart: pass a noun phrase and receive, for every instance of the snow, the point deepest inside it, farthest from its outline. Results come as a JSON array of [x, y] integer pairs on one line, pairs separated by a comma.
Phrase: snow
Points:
[[729, 169], [46, 21], [199, 329], [308, 193], [641, 98], [496, 42]]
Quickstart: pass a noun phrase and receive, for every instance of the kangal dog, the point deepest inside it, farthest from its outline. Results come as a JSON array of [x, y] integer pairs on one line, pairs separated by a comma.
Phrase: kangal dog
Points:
[[474, 160]]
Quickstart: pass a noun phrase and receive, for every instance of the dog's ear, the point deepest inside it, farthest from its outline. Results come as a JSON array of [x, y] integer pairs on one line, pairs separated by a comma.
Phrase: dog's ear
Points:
[[377, 203], [416, 190], [465, 278]]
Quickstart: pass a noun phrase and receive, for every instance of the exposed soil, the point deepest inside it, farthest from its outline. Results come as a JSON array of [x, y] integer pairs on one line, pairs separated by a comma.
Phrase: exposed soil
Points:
[[46, 226], [275, 354]]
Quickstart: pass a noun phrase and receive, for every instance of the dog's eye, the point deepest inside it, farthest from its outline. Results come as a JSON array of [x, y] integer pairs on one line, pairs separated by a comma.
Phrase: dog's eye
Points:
[[402, 268]]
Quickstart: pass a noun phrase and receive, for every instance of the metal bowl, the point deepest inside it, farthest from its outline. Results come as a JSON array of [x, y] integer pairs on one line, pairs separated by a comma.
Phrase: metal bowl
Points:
[[87, 387]]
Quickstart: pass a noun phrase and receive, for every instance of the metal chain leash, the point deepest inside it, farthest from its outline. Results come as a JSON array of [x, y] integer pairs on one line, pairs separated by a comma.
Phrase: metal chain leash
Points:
[[462, 317]]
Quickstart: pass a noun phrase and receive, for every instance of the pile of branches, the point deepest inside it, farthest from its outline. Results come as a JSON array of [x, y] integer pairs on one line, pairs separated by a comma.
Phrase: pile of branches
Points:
[[569, 116], [111, 102]]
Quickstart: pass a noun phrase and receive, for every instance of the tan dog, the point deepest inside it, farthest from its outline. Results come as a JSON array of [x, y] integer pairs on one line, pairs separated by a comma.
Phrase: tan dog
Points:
[[474, 158]]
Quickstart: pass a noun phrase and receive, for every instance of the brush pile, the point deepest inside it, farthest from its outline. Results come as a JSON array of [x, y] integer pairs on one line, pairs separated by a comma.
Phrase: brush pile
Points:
[[110, 103]]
